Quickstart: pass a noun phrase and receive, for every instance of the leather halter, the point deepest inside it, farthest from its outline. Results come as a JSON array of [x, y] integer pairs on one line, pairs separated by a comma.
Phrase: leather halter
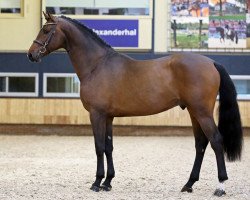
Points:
[[43, 45]]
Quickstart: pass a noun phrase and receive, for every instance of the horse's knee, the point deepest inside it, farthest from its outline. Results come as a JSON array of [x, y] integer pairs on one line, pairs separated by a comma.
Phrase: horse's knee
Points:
[[109, 146], [200, 149], [99, 151]]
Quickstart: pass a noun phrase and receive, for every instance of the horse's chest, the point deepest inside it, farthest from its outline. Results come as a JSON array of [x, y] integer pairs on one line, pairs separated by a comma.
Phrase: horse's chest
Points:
[[92, 97], [85, 98]]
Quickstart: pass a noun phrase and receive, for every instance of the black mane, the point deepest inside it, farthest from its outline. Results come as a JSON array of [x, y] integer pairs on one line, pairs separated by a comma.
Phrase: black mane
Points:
[[87, 30]]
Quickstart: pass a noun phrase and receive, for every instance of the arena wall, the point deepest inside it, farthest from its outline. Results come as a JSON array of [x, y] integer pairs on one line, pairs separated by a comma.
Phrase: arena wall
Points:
[[71, 112]]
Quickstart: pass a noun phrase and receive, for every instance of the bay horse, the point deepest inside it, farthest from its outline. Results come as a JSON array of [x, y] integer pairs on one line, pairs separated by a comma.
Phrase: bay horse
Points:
[[115, 85]]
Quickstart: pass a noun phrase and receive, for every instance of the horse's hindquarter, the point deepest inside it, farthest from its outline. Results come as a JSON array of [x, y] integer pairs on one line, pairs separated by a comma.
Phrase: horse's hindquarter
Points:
[[197, 80]]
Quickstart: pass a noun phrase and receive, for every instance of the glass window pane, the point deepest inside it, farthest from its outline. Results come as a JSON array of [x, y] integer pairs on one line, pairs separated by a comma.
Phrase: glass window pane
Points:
[[10, 6], [62, 85], [67, 3], [242, 86], [2, 84], [98, 7], [123, 11], [122, 4], [75, 7], [21, 84]]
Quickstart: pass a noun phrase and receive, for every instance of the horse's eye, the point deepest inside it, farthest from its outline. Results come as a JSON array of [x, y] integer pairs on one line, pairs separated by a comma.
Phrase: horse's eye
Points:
[[45, 31]]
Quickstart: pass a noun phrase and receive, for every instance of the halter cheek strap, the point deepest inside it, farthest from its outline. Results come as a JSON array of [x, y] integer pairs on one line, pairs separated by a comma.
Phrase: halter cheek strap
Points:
[[43, 45]]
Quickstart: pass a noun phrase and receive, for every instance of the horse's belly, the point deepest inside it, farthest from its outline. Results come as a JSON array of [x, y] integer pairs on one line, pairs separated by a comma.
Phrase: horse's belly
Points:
[[151, 97], [143, 108]]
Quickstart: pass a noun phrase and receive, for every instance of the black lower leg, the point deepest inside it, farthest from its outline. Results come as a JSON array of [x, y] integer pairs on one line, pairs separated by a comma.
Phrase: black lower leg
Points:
[[217, 146], [96, 185], [110, 173], [98, 121], [100, 171], [200, 145], [194, 176], [195, 172], [99, 174], [108, 152], [209, 127]]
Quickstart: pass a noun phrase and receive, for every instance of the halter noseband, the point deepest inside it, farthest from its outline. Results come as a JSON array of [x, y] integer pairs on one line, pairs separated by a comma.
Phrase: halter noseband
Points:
[[45, 44]]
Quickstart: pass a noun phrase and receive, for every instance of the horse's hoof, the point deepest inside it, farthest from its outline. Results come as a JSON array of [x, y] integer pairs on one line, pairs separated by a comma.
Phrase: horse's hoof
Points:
[[186, 189], [95, 188], [106, 188], [219, 192]]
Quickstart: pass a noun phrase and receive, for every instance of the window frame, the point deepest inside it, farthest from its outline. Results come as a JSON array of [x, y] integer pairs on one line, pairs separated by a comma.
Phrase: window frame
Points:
[[241, 77], [150, 16], [15, 15], [59, 94], [20, 94]]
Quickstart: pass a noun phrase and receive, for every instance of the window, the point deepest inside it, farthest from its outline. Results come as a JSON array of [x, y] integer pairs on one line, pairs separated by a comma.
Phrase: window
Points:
[[98, 7], [61, 85], [2, 84], [242, 85], [10, 6], [18, 84]]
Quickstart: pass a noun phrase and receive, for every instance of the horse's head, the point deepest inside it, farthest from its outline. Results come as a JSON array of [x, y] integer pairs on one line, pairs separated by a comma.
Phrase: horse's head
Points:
[[49, 39]]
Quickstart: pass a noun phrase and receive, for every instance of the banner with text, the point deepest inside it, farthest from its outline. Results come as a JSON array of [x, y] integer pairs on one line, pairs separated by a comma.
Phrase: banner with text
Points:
[[117, 33]]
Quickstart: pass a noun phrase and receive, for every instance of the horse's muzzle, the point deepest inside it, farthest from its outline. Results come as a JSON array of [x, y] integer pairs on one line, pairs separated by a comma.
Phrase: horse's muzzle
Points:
[[33, 58]]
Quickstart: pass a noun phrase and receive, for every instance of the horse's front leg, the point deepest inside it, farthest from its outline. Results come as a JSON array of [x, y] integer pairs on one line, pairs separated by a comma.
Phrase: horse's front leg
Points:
[[98, 122], [108, 152]]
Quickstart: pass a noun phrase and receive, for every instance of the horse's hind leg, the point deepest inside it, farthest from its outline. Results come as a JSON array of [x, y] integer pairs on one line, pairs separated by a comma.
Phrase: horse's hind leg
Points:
[[108, 152], [212, 133], [201, 142]]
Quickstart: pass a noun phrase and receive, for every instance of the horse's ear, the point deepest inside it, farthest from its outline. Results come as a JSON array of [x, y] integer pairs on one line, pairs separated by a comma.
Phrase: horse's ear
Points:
[[51, 17], [46, 16]]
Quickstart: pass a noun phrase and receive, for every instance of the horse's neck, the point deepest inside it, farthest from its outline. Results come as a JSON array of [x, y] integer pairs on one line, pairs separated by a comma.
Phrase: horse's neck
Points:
[[84, 52]]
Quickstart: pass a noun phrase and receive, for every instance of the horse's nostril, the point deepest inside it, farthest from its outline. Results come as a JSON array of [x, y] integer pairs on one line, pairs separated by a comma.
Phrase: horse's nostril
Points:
[[30, 56]]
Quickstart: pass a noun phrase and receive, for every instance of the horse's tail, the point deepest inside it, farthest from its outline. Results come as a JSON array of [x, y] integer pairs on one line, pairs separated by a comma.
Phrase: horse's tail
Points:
[[229, 116]]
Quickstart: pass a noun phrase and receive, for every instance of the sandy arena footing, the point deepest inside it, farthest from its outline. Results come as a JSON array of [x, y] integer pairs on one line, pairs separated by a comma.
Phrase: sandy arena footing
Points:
[[63, 167]]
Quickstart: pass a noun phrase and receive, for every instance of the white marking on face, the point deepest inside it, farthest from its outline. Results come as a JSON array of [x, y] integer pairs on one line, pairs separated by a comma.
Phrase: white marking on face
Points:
[[109, 137]]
